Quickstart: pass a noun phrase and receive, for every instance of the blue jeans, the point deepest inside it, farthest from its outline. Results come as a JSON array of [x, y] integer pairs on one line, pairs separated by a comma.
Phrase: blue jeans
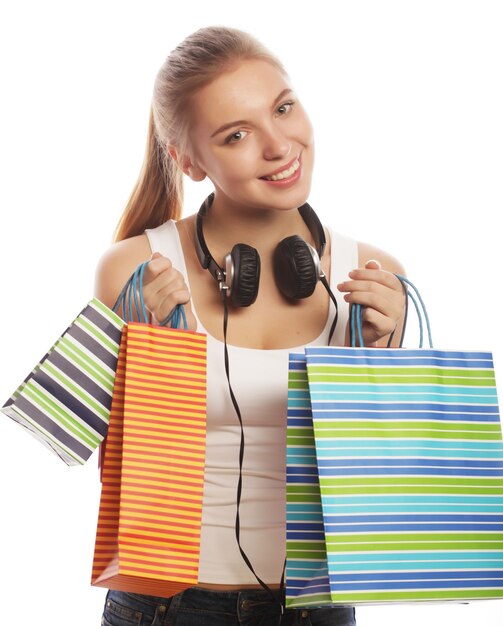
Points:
[[202, 607]]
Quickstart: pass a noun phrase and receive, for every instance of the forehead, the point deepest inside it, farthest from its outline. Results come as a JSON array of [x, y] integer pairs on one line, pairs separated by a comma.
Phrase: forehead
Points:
[[238, 94]]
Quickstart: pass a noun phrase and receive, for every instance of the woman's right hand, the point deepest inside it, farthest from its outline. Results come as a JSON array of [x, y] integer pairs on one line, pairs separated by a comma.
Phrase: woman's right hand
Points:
[[163, 289]]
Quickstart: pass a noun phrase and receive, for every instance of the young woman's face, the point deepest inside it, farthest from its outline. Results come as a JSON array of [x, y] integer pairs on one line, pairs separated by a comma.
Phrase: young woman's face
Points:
[[251, 136]]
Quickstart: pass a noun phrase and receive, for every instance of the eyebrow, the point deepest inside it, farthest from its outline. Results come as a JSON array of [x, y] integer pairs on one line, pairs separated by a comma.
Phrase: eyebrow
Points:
[[224, 127]]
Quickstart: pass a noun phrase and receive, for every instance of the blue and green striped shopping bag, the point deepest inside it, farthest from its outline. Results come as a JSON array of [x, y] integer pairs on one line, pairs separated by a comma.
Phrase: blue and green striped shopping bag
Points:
[[394, 477], [65, 401]]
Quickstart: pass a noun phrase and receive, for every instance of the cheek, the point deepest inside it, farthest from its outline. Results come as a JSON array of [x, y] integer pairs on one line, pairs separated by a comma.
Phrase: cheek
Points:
[[235, 164], [308, 132], [306, 138], [306, 128]]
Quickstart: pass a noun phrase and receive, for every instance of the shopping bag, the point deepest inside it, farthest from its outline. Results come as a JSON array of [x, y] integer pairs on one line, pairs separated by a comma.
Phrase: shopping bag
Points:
[[149, 521], [394, 477], [307, 581], [65, 401]]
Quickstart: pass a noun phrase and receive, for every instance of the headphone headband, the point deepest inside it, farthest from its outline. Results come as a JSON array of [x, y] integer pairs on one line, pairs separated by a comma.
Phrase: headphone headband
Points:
[[307, 213], [203, 254]]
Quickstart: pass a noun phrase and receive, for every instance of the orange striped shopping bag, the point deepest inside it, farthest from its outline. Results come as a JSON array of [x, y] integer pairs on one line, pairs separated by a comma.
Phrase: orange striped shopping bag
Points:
[[149, 521]]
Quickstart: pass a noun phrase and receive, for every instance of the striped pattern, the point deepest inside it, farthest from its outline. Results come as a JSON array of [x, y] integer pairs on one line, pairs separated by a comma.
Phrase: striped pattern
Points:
[[307, 582], [410, 463], [150, 512], [65, 401]]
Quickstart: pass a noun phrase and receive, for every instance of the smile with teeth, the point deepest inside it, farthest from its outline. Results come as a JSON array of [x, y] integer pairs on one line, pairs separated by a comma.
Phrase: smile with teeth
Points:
[[285, 173]]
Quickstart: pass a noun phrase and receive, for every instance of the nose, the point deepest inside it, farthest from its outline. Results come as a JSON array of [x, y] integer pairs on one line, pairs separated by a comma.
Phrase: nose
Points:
[[276, 144]]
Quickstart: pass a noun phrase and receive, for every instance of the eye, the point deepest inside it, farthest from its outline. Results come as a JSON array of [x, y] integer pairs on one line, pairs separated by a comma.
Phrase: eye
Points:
[[285, 108], [237, 136]]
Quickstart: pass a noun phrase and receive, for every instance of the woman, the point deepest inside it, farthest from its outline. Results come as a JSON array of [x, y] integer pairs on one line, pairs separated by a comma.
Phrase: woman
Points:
[[224, 108]]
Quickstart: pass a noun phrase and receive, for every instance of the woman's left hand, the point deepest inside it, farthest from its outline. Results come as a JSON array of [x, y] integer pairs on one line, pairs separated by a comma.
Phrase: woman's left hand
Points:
[[382, 297]]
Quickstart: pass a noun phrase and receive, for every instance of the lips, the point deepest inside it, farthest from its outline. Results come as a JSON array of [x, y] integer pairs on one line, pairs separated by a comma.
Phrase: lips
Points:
[[284, 172]]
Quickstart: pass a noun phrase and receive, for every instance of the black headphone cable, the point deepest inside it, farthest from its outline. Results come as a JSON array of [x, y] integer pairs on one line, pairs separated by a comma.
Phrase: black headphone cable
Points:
[[235, 404], [246, 559]]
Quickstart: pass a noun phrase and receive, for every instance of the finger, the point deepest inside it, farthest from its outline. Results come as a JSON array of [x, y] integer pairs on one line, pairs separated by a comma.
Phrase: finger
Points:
[[380, 277], [170, 300], [372, 264], [156, 266], [381, 324], [371, 286], [166, 305], [364, 285], [161, 303], [162, 286], [390, 306]]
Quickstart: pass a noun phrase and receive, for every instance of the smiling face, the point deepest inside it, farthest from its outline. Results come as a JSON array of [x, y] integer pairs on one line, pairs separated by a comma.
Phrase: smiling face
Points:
[[250, 135]]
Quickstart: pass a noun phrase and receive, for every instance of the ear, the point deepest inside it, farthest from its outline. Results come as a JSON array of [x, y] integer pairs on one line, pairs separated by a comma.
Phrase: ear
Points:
[[185, 163]]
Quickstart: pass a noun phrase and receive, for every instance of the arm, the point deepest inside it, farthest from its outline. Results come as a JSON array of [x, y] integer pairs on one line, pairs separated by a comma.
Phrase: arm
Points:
[[374, 286]]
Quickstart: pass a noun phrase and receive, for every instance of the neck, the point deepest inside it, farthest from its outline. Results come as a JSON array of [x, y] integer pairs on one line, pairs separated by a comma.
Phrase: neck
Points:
[[261, 228]]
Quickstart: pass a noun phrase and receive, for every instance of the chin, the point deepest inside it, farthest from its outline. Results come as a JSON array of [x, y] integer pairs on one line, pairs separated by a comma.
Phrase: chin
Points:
[[291, 197], [287, 204], [296, 197]]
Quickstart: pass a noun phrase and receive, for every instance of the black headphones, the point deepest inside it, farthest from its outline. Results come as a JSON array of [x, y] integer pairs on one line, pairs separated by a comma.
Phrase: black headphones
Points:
[[297, 265]]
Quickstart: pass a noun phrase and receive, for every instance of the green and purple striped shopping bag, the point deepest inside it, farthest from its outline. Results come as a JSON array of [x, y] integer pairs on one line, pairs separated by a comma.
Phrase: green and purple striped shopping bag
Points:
[[65, 401]]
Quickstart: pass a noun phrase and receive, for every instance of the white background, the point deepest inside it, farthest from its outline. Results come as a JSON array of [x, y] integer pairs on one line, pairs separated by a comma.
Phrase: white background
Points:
[[406, 101]]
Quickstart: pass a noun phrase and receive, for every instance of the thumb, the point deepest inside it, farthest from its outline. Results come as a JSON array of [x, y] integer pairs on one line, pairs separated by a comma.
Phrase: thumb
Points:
[[372, 264], [155, 255]]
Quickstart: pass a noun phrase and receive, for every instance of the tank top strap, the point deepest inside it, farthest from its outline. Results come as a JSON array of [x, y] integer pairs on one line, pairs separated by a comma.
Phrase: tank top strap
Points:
[[343, 259], [166, 240]]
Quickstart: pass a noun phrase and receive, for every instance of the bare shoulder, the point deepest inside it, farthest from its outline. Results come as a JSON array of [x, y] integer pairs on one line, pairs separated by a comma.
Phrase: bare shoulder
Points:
[[367, 252], [116, 266]]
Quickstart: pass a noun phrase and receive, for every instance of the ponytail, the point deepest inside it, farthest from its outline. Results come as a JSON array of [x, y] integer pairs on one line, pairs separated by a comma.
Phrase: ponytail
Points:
[[158, 193]]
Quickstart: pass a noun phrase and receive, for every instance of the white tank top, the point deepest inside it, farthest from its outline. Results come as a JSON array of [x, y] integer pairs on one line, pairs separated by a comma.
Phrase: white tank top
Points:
[[259, 379]]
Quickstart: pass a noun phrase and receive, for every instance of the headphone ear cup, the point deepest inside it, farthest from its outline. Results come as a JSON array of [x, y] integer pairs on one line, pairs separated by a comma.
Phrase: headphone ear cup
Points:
[[296, 268], [245, 276]]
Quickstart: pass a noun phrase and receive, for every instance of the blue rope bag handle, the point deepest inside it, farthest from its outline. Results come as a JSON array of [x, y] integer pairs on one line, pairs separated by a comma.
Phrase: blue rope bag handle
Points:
[[356, 326], [122, 299], [131, 301], [176, 316]]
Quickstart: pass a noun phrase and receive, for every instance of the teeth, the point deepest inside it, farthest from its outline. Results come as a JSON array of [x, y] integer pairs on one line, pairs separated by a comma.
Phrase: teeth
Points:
[[286, 173]]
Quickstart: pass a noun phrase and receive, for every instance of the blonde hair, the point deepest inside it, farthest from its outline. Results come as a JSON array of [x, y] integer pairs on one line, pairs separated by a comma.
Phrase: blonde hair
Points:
[[199, 59]]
